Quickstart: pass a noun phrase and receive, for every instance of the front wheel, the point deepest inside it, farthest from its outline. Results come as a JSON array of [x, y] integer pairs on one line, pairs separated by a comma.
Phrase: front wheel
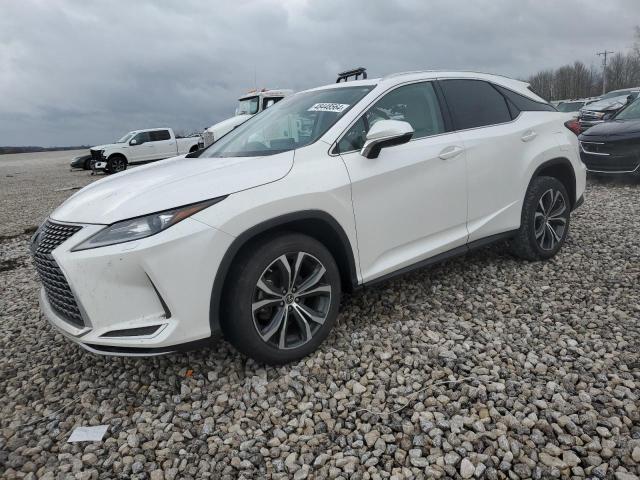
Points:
[[545, 218], [282, 298], [116, 164]]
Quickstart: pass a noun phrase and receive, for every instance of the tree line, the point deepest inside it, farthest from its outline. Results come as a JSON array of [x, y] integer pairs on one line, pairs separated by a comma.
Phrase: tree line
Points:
[[579, 81]]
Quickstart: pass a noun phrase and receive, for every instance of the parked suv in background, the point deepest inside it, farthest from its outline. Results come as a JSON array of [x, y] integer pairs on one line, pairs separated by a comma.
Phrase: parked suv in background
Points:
[[606, 107], [332, 188]]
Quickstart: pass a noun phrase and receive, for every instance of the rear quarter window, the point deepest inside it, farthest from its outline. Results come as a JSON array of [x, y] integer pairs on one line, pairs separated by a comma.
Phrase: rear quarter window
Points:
[[522, 103]]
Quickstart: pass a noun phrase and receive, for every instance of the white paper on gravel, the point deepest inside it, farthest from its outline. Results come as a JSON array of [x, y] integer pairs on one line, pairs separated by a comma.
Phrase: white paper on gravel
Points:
[[88, 434]]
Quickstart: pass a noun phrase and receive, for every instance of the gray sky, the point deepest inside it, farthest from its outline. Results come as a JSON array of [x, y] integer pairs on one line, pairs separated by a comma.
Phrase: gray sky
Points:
[[75, 72]]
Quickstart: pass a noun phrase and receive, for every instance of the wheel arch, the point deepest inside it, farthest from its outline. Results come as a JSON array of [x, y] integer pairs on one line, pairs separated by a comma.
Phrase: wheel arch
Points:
[[562, 169], [315, 223], [118, 154]]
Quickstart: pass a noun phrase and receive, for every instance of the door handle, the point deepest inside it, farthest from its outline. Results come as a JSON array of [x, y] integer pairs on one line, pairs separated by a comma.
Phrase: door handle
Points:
[[528, 136], [450, 152]]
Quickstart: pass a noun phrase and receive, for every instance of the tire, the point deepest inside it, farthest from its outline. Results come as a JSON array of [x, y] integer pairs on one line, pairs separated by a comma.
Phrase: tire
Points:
[[544, 225], [116, 163], [87, 164], [193, 149], [271, 319]]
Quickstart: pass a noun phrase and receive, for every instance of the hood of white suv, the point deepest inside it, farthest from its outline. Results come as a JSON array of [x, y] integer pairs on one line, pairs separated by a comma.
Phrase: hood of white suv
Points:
[[167, 184]]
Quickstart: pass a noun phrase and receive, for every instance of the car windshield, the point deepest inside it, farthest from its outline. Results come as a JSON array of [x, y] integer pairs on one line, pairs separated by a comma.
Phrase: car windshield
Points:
[[570, 106], [292, 123], [126, 138], [632, 112], [248, 106]]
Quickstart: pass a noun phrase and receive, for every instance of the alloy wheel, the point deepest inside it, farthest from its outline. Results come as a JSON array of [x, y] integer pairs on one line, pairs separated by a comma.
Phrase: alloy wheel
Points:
[[291, 300], [550, 219], [118, 165]]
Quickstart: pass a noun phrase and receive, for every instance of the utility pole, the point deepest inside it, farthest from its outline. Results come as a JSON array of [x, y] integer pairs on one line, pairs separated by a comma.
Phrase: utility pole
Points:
[[604, 69]]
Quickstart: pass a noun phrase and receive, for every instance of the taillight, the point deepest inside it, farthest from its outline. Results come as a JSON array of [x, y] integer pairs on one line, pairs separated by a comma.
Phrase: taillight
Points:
[[573, 125]]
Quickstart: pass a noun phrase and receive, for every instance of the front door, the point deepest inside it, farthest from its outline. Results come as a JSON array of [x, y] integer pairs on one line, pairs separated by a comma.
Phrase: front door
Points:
[[410, 203]]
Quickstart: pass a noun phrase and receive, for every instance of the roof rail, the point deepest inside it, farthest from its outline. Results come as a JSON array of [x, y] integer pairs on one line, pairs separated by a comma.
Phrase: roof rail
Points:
[[356, 72], [399, 74]]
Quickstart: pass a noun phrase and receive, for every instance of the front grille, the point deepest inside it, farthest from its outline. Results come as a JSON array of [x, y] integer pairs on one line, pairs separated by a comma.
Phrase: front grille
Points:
[[207, 138], [609, 163], [97, 155], [610, 155], [55, 284]]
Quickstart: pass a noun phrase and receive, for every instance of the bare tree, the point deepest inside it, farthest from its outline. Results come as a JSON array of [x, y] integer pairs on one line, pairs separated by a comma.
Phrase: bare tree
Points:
[[580, 81]]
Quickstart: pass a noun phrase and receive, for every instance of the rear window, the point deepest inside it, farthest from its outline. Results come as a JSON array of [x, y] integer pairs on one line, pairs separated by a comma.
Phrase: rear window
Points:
[[475, 103], [522, 103], [158, 135]]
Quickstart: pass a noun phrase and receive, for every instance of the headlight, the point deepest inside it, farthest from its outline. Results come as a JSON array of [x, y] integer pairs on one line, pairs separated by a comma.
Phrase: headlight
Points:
[[598, 114], [142, 227]]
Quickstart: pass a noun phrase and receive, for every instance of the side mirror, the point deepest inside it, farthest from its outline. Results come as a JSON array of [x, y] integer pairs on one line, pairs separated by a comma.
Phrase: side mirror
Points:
[[385, 133], [133, 142]]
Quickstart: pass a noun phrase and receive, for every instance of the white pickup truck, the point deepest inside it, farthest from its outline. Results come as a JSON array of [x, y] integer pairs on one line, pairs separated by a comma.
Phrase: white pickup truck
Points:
[[141, 146], [249, 105]]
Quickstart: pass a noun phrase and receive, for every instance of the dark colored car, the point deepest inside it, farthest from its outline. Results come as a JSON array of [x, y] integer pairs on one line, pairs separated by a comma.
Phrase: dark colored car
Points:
[[81, 161], [606, 107], [613, 147]]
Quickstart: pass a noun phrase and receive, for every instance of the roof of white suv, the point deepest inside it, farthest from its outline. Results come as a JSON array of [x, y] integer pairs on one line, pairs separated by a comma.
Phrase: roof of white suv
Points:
[[403, 77]]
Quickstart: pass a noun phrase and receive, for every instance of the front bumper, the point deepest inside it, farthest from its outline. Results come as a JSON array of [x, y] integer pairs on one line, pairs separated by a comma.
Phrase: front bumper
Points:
[[606, 160], [145, 297]]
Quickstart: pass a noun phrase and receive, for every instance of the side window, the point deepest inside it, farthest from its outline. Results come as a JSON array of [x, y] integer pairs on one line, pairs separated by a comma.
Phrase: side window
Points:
[[268, 102], [159, 135], [416, 104], [142, 137], [520, 103], [475, 103]]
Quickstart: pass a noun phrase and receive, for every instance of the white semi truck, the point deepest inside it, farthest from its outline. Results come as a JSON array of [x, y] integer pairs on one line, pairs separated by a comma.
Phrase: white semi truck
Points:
[[250, 104]]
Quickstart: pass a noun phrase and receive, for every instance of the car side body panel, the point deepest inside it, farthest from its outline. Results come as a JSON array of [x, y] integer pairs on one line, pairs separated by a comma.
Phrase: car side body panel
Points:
[[515, 149], [409, 204]]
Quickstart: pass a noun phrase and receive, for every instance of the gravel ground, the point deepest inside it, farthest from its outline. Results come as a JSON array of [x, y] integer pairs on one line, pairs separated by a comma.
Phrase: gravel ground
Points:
[[484, 367]]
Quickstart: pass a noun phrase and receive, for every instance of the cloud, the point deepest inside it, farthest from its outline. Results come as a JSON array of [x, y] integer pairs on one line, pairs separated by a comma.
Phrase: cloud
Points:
[[79, 71]]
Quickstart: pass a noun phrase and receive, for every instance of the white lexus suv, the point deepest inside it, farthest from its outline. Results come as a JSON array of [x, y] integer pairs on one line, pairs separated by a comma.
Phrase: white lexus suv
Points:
[[333, 188]]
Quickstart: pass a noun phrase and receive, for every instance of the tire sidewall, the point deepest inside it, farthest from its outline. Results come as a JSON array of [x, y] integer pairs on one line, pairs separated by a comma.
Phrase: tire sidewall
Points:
[[538, 187], [237, 324], [111, 162]]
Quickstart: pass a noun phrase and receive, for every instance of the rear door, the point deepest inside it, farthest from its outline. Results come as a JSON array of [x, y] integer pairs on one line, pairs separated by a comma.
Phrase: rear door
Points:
[[494, 143], [410, 203], [164, 145]]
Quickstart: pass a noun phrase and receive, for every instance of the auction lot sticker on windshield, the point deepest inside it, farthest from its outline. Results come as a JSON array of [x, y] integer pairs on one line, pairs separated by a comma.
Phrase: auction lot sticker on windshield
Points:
[[329, 107]]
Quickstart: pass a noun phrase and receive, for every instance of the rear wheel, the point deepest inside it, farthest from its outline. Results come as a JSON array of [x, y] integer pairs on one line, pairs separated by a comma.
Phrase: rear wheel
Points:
[[116, 163], [87, 164], [281, 299], [545, 220]]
